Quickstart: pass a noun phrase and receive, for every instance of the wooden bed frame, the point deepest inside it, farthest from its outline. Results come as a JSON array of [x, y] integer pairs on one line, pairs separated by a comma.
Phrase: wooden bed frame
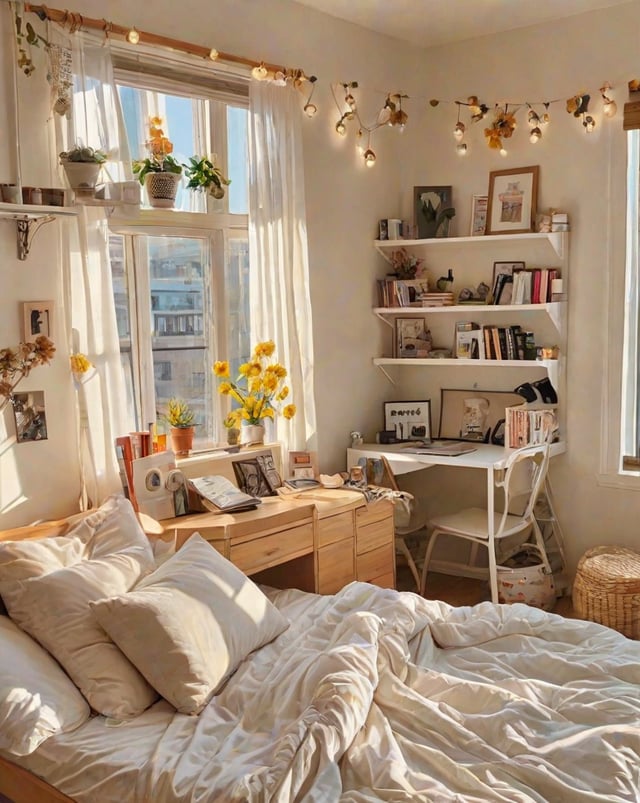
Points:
[[18, 784]]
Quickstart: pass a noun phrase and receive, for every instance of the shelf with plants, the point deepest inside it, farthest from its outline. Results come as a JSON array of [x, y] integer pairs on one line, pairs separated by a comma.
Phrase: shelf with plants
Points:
[[558, 240]]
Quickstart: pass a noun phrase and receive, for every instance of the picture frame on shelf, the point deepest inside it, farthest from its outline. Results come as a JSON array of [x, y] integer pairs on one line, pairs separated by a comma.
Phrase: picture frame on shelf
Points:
[[410, 420], [502, 283], [473, 415], [37, 317], [512, 200], [432, 211], [479, 206], [412, 338]]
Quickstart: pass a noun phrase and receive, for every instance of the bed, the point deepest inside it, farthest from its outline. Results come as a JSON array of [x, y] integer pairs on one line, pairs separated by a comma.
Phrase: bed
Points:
[[366, 695]]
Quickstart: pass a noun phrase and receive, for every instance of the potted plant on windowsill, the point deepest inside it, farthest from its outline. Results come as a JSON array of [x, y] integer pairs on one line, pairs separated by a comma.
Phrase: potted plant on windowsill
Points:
[[180, 418], [82, 166], [159, 172], [204, 176]]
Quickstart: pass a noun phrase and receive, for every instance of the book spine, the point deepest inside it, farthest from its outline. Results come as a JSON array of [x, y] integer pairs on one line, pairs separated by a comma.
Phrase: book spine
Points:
[[124, 442]]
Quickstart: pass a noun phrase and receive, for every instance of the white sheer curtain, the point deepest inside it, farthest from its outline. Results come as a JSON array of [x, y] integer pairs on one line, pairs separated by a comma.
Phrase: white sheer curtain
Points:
[[280, 297], [87, 285]]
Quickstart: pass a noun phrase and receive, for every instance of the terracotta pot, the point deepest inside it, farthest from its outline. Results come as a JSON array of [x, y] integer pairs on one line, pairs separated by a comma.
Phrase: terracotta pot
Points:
[[182, 440], [251, 434], [162, 189]]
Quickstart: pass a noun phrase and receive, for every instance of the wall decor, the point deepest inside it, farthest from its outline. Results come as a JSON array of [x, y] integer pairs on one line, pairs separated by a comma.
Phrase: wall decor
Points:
[[433, 211], [512, 200], [30, 416], [471, 414], [410, 420], [412, 338], [37, 319], [479, 206]]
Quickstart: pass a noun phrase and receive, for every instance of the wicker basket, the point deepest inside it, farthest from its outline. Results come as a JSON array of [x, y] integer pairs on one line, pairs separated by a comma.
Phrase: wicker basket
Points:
[[606, 588]]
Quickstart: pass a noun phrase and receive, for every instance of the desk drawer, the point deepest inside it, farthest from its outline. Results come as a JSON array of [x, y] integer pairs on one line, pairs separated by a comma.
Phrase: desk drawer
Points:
[[335, 528], [261, 553], [377, 563], [374, 535], [374, 511], [335, 566]]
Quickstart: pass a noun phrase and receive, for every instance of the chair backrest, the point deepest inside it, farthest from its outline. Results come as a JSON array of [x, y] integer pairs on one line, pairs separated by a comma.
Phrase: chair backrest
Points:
[[528, 464]]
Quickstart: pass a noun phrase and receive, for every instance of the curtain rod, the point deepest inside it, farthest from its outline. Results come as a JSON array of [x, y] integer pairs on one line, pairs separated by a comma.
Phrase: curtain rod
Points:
[[77, 21]]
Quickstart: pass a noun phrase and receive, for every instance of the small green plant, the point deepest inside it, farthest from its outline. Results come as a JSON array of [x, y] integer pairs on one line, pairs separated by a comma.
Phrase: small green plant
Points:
[[179, 414], [204, 175], [141, 167], [81, 154]]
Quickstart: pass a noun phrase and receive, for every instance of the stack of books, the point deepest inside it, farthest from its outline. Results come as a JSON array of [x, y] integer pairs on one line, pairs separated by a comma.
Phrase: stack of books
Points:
[[527, 425]]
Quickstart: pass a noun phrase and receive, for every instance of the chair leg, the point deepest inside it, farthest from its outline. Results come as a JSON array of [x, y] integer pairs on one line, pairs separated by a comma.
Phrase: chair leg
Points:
[[493, 572], [402, 546], [427, 560], [541, 546]]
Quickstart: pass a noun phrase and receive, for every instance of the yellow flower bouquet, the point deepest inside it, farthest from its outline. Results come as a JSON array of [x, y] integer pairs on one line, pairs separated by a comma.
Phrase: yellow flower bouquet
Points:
[[259, 388]]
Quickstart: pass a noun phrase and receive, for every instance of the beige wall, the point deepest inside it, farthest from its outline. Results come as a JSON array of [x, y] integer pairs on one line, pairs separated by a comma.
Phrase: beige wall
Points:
[[583, 174]]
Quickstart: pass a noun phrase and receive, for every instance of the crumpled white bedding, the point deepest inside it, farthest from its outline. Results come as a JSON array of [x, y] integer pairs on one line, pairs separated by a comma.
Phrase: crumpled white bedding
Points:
[[378, 695]]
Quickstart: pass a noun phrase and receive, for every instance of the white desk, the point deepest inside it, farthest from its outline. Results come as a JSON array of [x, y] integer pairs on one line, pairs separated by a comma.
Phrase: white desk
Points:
[[487, 457]]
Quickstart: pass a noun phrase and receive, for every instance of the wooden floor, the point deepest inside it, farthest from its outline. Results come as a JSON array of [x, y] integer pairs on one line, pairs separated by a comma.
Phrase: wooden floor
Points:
[[462, 590]]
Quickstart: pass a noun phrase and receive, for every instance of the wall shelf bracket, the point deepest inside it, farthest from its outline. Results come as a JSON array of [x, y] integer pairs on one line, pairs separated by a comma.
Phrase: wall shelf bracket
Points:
[[27, 227]]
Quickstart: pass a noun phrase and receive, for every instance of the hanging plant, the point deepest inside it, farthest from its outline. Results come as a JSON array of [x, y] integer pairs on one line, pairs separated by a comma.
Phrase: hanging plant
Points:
[[26, 38]]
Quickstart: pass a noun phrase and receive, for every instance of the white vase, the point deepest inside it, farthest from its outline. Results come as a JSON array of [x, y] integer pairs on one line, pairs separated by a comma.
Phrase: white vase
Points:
[[162, 189], [251, 434], [82, 176]]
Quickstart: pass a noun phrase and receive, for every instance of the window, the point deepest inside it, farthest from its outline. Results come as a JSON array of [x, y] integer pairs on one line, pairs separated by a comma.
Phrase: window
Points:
[[181, 276]]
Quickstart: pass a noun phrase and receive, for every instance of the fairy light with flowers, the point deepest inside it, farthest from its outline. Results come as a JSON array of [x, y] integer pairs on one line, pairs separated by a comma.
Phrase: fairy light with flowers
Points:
[[17, 363], [259, 388]]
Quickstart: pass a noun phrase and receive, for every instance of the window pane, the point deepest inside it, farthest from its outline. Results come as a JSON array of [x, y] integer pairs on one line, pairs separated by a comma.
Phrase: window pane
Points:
[[238, 323], [123, 319], [238, 156], [179, 331]]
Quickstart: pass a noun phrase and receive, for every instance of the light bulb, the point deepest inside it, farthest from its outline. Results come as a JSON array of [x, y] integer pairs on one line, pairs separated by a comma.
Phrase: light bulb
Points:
[[360, 142], [369, 158], [503, 151], [259, 72], [458, 131], [589, 124], [213, 54], [133, 37], [461, 149], [310, 109], [610, 108], [341, 128], [546, 118], [535, 135], [533, 119], [350, 101]]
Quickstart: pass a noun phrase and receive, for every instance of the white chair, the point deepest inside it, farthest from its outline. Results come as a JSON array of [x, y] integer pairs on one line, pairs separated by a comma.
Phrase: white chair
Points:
[[521, 481]]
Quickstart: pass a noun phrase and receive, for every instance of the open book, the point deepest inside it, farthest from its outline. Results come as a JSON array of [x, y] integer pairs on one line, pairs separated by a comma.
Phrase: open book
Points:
[[220, 495]]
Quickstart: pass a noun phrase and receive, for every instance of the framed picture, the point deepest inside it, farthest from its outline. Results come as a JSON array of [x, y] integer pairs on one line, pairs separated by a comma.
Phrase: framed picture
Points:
[[479, 205], [410, 420], [37, 319], [412, 338], [502, 284], [474, 415], [30, 416], [512, 200], [432, 210]]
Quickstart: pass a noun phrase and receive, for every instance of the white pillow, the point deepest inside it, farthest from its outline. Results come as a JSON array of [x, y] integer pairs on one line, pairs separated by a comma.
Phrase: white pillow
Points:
[[188, 625], [107, 554], [37, 699]]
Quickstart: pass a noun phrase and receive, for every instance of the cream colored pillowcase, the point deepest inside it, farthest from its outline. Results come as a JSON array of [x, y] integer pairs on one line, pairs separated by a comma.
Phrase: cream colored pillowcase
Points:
[[107, 554], [37, 699], [188, 625]]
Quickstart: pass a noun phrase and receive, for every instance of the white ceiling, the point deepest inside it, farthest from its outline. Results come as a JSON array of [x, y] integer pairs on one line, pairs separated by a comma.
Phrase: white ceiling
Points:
[[429, 23]]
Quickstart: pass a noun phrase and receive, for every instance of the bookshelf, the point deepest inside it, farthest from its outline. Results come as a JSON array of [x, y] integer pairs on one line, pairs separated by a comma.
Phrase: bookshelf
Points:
[[471, 259]]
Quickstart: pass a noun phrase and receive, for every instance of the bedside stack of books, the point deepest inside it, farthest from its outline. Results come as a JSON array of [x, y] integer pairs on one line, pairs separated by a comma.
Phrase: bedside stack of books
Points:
[[527, 425]]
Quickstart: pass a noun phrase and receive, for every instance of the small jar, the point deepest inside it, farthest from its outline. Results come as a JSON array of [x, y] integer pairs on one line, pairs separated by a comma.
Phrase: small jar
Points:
[[36, 196]]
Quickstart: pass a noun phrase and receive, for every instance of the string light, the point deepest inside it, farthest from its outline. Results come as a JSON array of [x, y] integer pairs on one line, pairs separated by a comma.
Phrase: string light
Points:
[[460, 128], [310, 108], [360, 142], [589, 123], [609, 106], [341, 127], [369, 158], [535, 135], [133, 37], [260, 72], [461, 149]]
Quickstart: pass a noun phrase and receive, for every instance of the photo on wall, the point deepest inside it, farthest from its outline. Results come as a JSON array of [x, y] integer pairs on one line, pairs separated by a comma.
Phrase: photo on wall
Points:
[[30, 416]]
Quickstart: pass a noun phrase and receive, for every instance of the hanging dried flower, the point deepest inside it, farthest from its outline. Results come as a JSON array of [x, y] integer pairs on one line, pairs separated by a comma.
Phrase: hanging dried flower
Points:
[[503, 126], [17, 363]]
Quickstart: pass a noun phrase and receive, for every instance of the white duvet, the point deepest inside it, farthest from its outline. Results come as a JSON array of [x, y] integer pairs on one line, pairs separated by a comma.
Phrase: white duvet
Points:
[[377, 695]]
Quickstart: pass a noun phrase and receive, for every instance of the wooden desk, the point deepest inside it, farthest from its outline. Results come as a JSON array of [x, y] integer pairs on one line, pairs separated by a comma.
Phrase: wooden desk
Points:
[[317, 541]]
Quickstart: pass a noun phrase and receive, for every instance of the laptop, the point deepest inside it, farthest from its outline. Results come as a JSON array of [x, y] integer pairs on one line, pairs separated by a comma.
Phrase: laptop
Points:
[[445, 448]]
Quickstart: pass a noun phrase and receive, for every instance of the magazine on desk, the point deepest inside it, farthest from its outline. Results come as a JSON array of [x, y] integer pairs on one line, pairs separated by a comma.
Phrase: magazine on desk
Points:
[[448, 448], [220, 495]]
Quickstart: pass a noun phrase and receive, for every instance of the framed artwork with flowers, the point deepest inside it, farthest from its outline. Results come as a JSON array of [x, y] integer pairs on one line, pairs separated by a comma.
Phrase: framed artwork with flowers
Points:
[[433, 211], [512, 201]]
